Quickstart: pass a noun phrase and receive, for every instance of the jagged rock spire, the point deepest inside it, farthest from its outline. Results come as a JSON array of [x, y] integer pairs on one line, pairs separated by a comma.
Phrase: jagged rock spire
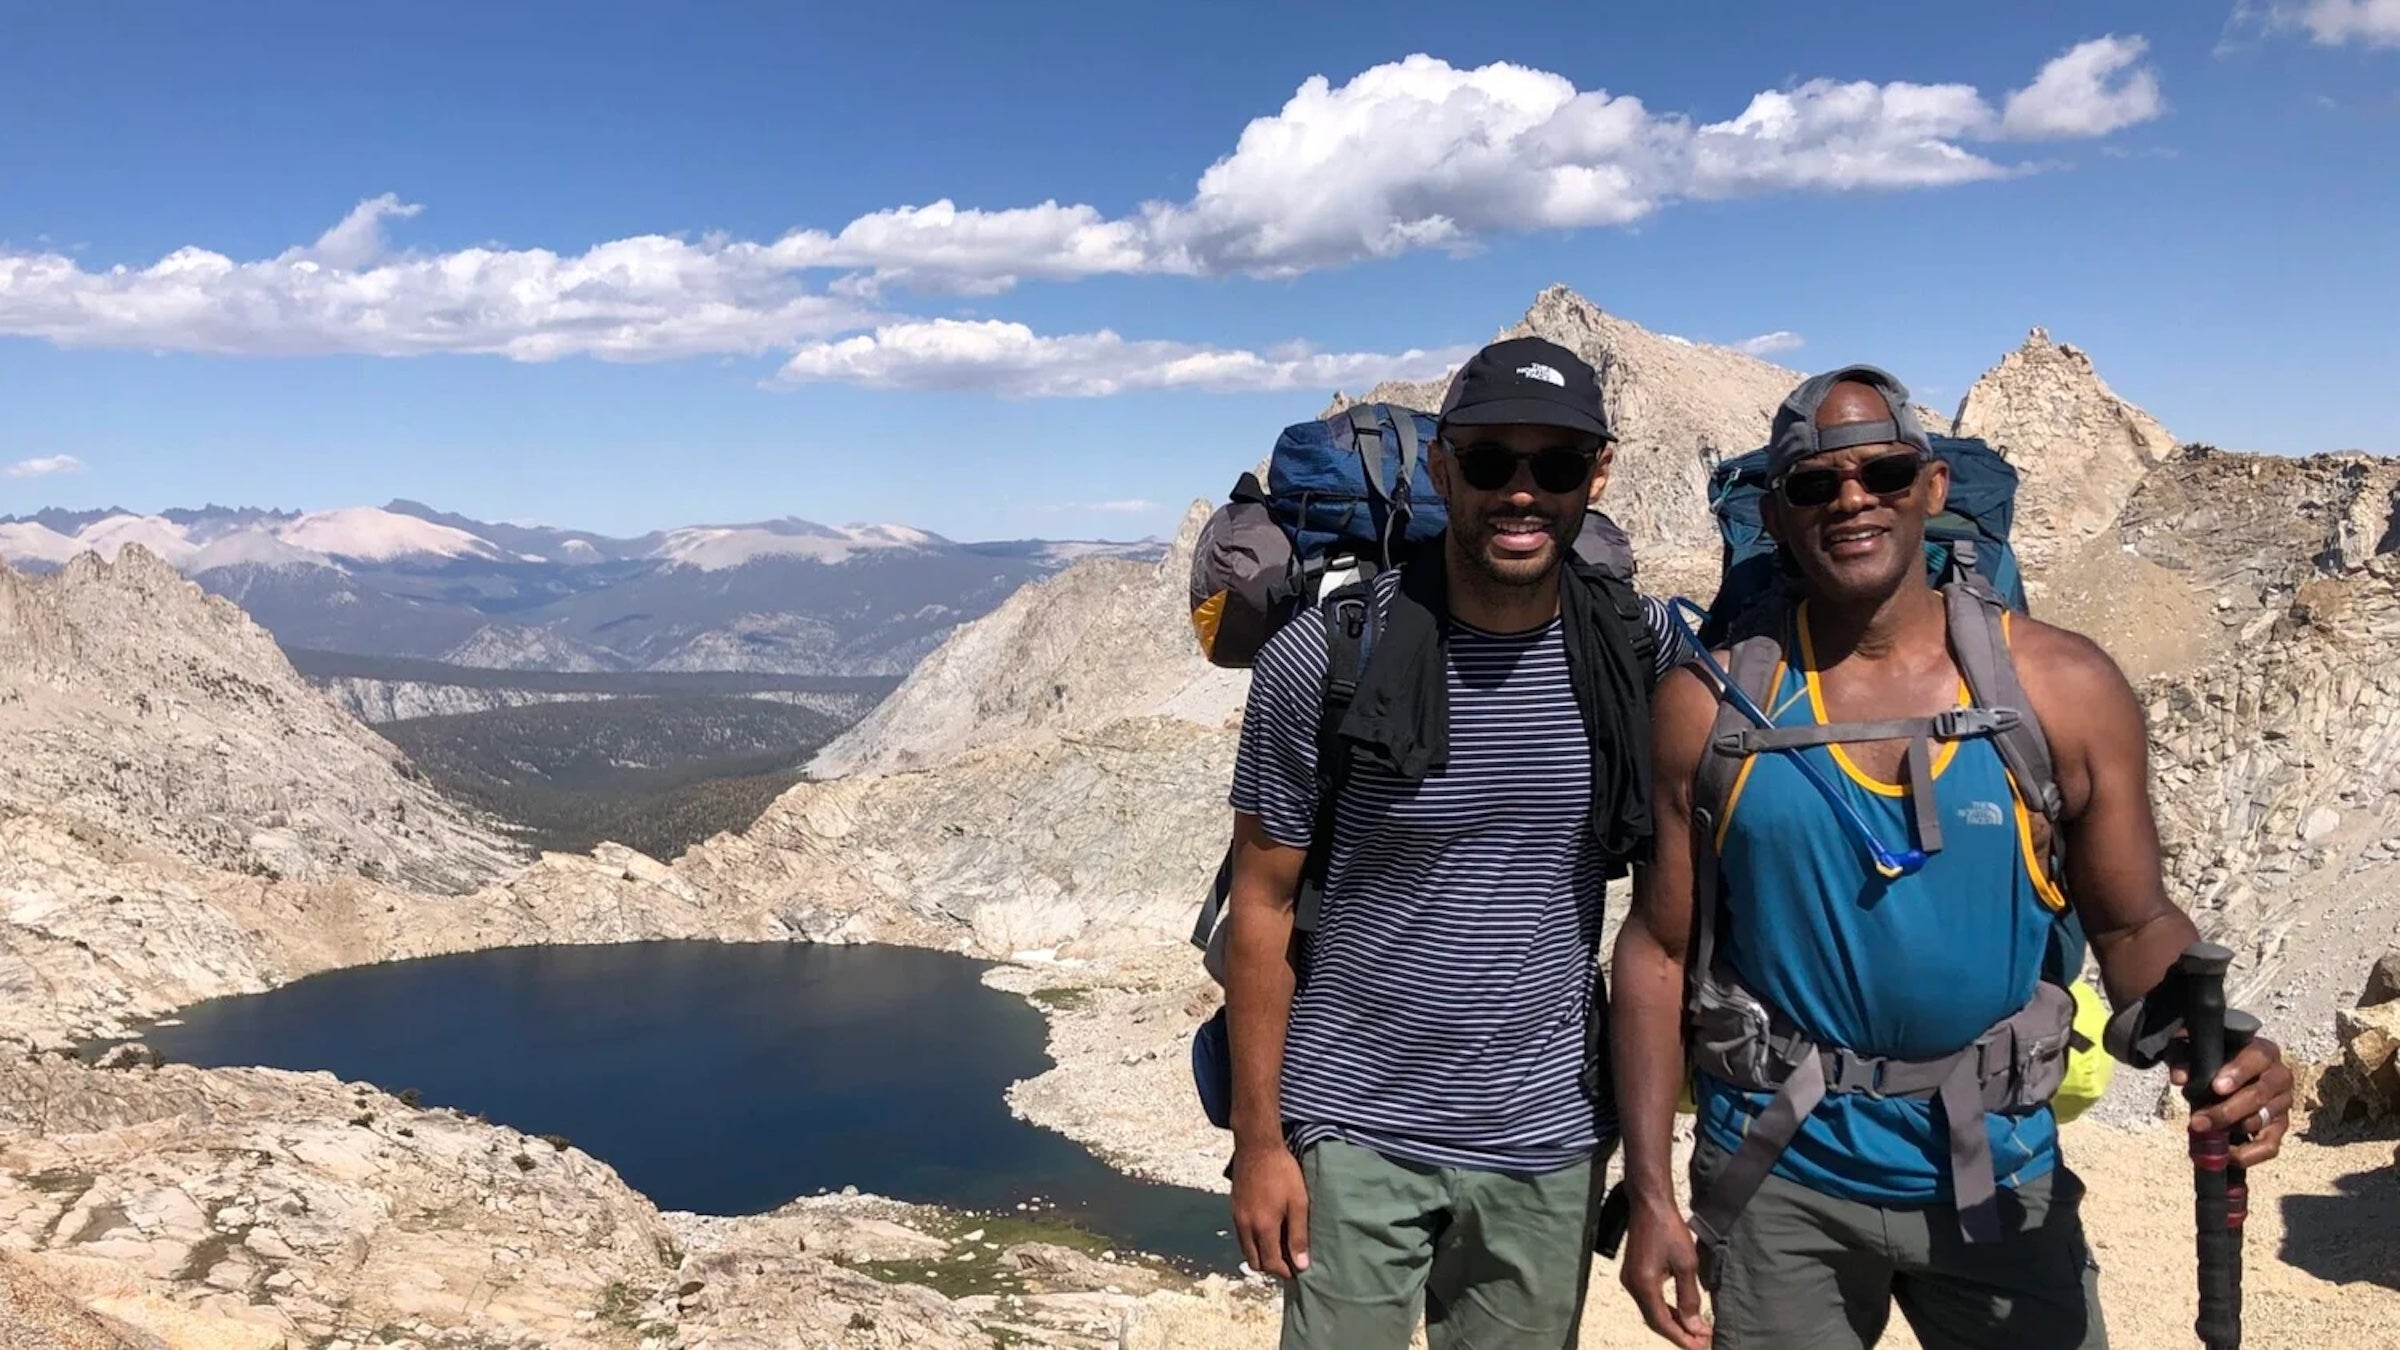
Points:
[[2080, 450]]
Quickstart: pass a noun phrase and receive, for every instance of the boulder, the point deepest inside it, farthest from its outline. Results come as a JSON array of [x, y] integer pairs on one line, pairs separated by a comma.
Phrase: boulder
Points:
[[131, 1055], [2364, 1085], [2383, 982]]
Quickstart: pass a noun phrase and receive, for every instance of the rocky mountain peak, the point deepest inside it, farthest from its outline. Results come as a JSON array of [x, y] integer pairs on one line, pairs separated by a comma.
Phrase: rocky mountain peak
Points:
[[1676, 405], [133, 701], [2080, 450], [1178, 560]]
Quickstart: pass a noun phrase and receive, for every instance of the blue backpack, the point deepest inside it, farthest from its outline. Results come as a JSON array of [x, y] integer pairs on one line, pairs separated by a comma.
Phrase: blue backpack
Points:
[[1346, 496], [1980, 512]]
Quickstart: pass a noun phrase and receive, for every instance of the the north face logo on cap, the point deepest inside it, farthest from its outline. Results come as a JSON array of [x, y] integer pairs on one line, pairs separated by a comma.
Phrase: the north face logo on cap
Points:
[[1538, 371]]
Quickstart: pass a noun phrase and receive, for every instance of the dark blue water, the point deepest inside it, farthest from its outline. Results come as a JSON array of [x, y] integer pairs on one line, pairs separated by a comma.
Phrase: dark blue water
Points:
[[720, 1078]]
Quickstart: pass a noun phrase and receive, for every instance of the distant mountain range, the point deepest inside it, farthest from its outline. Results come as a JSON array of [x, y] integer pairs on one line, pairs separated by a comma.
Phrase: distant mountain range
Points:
[[406, 580]]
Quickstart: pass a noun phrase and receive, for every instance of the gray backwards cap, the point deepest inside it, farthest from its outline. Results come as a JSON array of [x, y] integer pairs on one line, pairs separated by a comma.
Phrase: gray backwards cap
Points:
[[1797, 436]]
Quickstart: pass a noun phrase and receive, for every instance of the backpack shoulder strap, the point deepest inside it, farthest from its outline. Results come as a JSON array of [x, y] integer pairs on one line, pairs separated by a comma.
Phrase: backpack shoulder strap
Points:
[[1756, 655], [1979, 640], [1625, 609], [1352, 617]]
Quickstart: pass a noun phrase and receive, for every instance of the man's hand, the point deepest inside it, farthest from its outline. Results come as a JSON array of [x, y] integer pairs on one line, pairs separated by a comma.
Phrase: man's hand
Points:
[[1270, 1210], [2254, 1080], [1659, 1247]]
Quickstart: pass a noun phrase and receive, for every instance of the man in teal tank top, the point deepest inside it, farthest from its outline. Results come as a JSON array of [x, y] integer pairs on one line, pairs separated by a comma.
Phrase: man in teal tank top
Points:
[[1859, 1211]]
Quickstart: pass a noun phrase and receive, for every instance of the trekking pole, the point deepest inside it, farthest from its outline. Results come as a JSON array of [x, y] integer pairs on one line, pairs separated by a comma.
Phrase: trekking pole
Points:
[[2220, 1191]]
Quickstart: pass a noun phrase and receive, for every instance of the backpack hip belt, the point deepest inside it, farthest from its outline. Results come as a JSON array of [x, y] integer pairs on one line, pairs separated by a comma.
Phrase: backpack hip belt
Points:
[[2014, 1066]]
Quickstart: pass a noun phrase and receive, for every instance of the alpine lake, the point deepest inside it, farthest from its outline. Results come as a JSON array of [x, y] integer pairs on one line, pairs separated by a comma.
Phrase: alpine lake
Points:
[[722, 1078]]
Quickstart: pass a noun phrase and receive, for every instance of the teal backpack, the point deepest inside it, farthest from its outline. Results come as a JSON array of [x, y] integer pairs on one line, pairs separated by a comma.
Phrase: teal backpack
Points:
[[1972, 532], [1980, 512]]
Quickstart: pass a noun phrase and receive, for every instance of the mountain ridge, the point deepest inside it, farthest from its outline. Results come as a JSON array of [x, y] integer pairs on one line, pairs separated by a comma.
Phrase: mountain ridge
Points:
[[1053, 801], [407, 580]]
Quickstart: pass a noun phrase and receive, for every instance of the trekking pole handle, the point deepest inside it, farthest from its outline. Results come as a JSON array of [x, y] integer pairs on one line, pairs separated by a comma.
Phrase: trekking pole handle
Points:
[[2218, 1239]]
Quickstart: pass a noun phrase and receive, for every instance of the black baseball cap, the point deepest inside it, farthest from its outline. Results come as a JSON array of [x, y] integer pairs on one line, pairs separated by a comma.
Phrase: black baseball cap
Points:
[[1526, 381]]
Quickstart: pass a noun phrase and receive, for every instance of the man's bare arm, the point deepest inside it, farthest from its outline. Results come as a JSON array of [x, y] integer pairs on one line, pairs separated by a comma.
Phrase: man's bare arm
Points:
[[2114, 877], [1646, 1016], [2101, 751], [1646, 1000], [1270, 1197], [1259, 978]]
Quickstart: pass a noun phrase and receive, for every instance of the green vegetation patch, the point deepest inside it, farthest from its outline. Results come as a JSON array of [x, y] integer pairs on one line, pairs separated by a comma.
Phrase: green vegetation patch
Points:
[[61, 1181], [1064, 998], [657, 774], [982, 1272]]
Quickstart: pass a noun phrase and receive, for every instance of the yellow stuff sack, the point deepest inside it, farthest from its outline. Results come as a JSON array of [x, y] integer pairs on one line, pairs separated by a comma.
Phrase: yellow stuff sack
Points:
[[2088, 1069]]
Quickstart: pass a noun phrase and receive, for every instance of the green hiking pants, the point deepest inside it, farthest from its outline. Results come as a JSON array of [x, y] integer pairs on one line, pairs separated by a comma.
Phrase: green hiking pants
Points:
[[1803, 1270], [1489, 1260]]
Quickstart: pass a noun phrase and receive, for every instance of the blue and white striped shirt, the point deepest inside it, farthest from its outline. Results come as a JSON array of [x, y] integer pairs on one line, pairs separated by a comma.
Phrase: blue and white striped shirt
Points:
[[1442, 1020]]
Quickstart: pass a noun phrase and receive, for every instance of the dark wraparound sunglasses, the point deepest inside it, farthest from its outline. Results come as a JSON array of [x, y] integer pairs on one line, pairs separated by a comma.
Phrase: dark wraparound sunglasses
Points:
[[1882, 476], [1489, 466]]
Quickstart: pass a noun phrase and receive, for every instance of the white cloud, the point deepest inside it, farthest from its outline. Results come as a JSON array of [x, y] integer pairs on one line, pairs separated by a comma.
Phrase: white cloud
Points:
[[1410, 155], [358, 239], [1130, 506], [2092, 90], [1009, 359], [2333, 22], [1768, 344], [942, 247], [645, 297], [43, 466], [1825, 136]]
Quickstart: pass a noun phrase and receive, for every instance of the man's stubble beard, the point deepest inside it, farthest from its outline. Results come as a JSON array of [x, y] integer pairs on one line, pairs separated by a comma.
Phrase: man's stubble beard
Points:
[[1478, 557]]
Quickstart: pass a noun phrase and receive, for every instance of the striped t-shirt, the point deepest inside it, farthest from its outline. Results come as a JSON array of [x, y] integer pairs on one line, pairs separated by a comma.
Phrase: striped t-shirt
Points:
[[1442, 1020]]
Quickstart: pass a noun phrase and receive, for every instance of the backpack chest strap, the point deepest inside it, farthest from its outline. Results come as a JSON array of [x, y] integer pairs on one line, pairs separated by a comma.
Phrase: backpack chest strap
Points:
[[1951, 724], [2014, 1066]]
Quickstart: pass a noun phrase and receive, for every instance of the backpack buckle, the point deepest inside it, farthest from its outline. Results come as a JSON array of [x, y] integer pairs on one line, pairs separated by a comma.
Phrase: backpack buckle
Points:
[[1958, 724], [1851, 1073]]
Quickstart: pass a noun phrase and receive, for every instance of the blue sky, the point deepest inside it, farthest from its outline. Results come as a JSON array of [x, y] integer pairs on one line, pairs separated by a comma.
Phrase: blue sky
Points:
[[623, 267]]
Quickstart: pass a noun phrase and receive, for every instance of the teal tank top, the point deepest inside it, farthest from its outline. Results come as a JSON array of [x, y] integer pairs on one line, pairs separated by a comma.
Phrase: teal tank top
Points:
[[1913, 966]]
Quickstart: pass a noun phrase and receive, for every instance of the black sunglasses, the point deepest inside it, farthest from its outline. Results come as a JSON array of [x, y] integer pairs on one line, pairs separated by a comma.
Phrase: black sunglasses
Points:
[[1882, 476], [1489, 466]]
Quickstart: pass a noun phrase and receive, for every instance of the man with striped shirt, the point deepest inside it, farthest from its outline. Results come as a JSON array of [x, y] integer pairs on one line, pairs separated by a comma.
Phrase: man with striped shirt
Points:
[[1415, 1115]]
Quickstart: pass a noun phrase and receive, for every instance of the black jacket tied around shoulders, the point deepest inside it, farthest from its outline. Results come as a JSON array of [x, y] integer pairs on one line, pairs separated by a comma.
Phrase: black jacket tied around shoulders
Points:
[[1399, 719]]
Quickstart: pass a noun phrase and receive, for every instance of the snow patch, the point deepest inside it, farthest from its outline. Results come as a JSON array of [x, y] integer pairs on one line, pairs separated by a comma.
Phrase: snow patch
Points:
[[375, 535], [713, 548], [26, 542], [252, 546]]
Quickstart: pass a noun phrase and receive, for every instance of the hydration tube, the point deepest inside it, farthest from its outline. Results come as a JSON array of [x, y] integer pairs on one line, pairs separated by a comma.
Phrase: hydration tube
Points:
[[1887, 863]]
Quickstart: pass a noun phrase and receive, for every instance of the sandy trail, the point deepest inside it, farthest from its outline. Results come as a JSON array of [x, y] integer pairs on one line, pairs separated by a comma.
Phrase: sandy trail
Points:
[[2321, 1260]]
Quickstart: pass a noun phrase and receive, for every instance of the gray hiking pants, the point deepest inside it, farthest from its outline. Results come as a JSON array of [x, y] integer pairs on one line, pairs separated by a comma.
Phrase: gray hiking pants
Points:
[[1807, 1271]]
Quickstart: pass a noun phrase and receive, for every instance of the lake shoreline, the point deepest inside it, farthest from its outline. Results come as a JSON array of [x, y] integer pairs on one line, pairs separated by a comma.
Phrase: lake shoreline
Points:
[[438, 1026]]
